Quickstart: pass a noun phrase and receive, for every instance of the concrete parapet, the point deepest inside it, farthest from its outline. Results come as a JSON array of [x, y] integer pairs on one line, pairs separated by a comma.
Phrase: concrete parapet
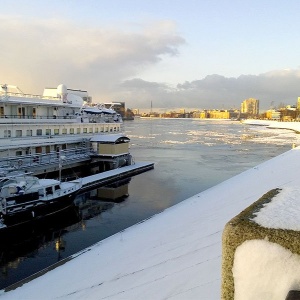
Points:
[[241, 230]]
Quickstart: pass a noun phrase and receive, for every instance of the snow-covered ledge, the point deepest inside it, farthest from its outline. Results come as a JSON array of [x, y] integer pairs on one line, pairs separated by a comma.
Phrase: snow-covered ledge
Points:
[[261, 248]]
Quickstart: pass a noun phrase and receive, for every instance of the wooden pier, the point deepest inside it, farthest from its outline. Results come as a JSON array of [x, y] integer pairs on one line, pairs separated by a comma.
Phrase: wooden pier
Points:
[[107, 177]]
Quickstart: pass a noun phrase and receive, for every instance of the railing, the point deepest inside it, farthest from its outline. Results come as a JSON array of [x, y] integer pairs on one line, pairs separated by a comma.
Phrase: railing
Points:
[[37, 117], [25, 162], [5, 94], [74, 118]]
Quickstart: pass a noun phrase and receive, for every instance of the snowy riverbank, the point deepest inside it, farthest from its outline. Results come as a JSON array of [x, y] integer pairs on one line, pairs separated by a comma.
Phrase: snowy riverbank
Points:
[[295, 126], [173, 255]]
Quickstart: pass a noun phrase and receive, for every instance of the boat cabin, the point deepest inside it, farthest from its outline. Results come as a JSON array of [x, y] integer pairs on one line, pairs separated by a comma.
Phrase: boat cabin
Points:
[[110, 151], [113, 144]]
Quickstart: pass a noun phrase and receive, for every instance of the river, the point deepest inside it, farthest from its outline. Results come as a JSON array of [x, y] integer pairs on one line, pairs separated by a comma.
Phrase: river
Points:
[[189, 155]]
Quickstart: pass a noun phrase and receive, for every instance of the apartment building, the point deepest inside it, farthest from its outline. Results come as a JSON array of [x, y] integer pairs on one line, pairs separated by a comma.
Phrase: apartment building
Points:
[[250, 107]]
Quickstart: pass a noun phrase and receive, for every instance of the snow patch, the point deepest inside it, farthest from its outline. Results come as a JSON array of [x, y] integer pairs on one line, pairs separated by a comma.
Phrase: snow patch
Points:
[[283, 212], [264, 270]]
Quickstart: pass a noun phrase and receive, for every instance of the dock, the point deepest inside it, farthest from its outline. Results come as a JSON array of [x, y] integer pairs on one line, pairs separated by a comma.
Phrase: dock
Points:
[[101, 179]]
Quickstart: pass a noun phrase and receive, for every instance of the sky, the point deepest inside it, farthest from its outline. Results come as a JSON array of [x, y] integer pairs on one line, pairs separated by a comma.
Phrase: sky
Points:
[[177, 254], [200, 54]]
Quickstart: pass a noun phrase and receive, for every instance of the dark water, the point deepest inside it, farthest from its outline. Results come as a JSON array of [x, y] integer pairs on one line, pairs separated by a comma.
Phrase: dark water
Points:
[[189, 155]]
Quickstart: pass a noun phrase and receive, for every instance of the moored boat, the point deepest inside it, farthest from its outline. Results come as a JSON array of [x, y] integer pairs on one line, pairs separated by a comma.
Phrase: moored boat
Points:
[[25, 197]]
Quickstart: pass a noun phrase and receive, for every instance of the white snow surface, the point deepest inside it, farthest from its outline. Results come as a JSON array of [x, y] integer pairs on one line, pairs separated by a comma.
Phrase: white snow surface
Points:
[[277, 273], [173, 255], [274, 124], [287, 201]]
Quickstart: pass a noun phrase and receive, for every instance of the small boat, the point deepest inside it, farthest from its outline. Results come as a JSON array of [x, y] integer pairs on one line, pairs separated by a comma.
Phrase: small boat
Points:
[[24, 197]]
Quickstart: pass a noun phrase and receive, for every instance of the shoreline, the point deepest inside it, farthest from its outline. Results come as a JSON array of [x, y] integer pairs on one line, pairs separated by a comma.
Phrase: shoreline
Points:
[[295, 126]]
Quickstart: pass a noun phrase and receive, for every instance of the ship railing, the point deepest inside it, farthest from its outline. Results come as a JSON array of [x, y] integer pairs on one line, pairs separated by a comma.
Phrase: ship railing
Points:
[[28, 96], [25, 162], [67, 118], [37, 117]]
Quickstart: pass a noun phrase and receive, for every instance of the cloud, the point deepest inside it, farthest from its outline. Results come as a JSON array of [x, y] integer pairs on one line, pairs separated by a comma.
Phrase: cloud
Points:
[[217, 91], [39, 53]]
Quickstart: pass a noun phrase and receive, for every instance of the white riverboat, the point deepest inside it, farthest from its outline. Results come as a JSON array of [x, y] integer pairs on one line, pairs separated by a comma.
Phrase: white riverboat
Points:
[[25, 197], [35, 131]]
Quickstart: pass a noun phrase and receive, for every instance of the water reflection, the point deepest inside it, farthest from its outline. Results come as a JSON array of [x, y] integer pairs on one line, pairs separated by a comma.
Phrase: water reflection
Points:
[[19, 241], [94, 202], [115, 192]]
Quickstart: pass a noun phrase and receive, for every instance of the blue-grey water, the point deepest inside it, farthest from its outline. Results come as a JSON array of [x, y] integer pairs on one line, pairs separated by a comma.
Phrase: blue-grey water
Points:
[[189, 155]]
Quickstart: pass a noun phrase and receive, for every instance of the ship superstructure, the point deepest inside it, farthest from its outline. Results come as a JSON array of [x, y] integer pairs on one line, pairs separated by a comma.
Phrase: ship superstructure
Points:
[[39, 131]]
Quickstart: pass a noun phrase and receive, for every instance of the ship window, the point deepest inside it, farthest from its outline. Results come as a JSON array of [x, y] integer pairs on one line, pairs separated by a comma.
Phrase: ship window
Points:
[[57, 187], [49, 190], [7, 133], [38, 149], [78, 130], [18, 153], [96, 130], [91, 130], [39, 132], [21, 112], [29, 132], [48, 131], [84, 130], [1, 111], [18, 133], [56, 131], [71, 130], [110, 129], [64, 131]]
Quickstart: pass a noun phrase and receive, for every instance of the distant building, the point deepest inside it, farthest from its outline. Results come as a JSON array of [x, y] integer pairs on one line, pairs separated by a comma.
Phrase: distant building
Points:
[[126, 114], [218, 114], [273, 114], [136, 112], [250, 107], [195, 114], [119, 107], [298, 103], [204, 114], [289, 113]]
